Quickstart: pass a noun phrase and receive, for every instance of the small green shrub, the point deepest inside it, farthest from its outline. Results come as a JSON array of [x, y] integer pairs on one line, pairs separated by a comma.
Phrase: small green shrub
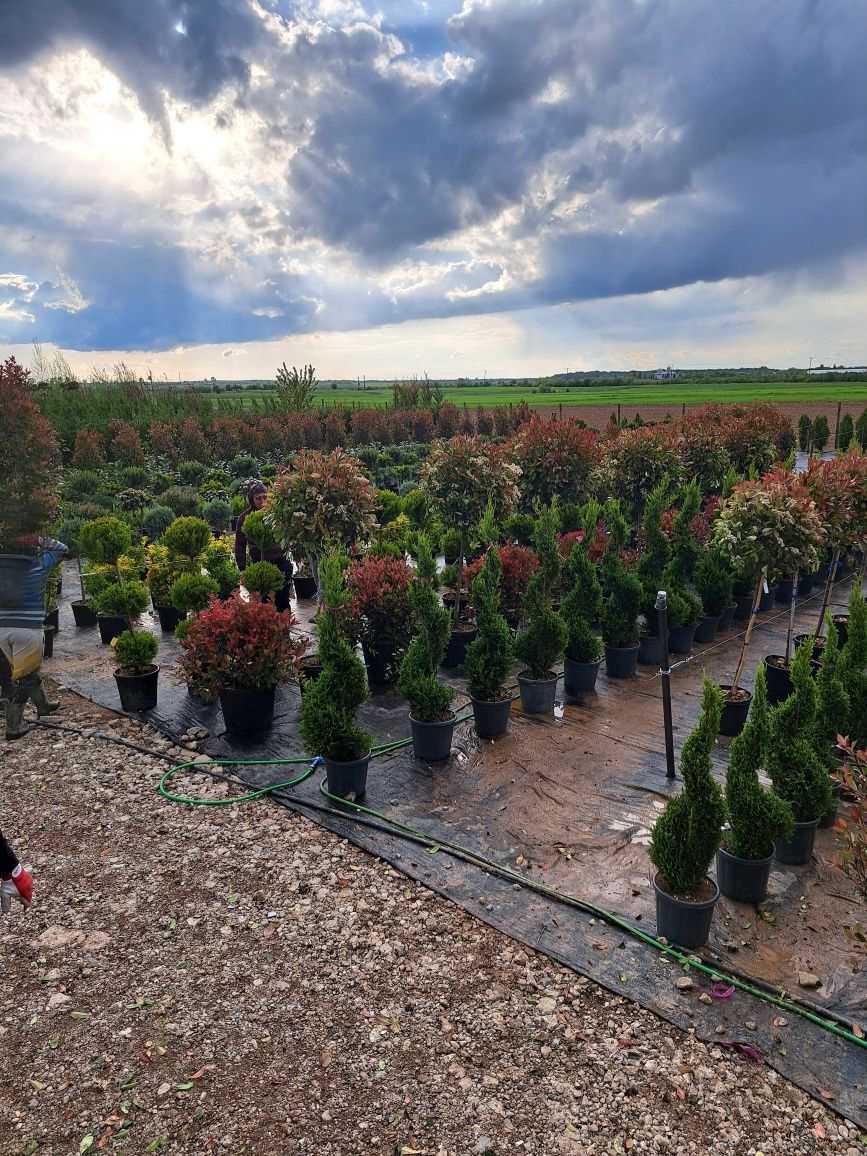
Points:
[[619, 618], [713, 581], [156, 521], [805, 428], [686, 835], [243, 466], [104, 540], [543, 639], [134, 477], [79, 485], [125, 600], [846, 432], [490, 655], [258, 532], [581, 605], [191, 472], [821, 432], [135, 650], [187, 538], [217, 514], [429, 699], [263, 578], [184, 500], [68, 531], [191, 592], [797, 772]]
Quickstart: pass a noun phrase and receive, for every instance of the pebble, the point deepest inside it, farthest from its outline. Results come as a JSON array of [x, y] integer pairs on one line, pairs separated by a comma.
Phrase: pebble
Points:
[[684, 983], [807, 979]]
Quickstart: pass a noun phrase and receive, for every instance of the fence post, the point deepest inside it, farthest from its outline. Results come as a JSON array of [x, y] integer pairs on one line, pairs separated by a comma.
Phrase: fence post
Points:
[[665, 674]]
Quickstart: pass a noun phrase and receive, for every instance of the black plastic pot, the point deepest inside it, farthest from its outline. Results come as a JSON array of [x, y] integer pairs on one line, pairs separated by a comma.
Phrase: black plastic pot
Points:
[[247, 710], [707, 628], [580, 677], [745, 880], [48, 648], [169, 618], [680, 639], [841, 621], [683, 922], [52, 618], [349, 778], [83, 613], [818, 648], [621, 661], [805, 585], [784, 591], [311, 668], [138, 691], [110, 627], [491, 718], [379, 660], [779, 680], [830, 817], [537, 694], [305, 586], [456, 649], [766, 601], [798, 849], [734, 713], [743, 606], [725, 619], [432, 741], [649, 650], [14, 569]]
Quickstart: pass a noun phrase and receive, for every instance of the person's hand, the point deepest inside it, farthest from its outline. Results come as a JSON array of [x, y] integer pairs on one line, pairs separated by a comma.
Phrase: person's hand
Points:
[[18, 885]]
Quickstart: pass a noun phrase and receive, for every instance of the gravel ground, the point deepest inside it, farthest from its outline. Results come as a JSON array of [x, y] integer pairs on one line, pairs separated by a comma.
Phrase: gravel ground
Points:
[[202, 980]]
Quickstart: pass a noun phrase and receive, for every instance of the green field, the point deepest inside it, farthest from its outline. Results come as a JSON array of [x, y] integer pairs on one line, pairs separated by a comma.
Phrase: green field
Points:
[[631, 396]]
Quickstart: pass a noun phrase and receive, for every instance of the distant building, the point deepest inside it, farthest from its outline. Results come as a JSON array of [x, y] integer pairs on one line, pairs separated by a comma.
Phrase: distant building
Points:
[[665, 374]]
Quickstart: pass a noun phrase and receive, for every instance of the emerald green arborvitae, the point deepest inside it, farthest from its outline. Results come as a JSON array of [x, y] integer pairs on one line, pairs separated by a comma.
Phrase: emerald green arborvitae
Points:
[[490, 656], [757, 818], [686, 835], [581, 605], [853, 669], [798, 774], [833, 707], [330, 703], [543, 639], [685, 551], [429, 699]]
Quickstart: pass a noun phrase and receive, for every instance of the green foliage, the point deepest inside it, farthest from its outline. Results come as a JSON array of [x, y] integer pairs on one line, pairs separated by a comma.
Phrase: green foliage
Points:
[[104, 540], [861, 429], [429, 699], [770, 524], [450, 543], [388, 506], [490, 655], [832, 699], [544, 637], [191, 592], [520, 527], [191, 472], [545, 541], [330, 703], [821, 432], [135, 650], [156, 521], [416, 506], [78, 485], [713, 581], [685, 551], [321, 498], [187, 538], [296, 388], [797, 772], [29, 461], [757, 818], [623, 593], [656, 550], [262, 578], [242, 466], [184, 500], [581, 604], [853, 669], [258, 531], [125, 600], [846, 432], [68, 531], [805, 429], [217, 513], [686, 835]]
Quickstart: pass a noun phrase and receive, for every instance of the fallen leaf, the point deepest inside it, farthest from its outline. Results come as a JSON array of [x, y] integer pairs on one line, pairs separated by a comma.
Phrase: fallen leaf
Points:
[[86, 1143], [825, 1094], [819, 1129], [858, 1031], [201, 1072], [183, 1087], [681, 1094], [53, 1042], [79, 1015], [37, 1085]]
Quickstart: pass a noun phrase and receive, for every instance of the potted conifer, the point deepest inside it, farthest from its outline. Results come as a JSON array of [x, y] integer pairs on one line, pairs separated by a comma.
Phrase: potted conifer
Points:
[[330, 703], [686, 836], [431, 719], [581, 605], [490, 656], [832, 712], [543, 639], [713, 581], [105, 541], [622, 600], [757, 818], [797, 772]]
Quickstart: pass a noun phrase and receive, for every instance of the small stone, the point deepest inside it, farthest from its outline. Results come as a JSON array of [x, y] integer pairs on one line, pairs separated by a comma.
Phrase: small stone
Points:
[[751, 1025], [164, 1089], [719, 1029], [58, 1000], [704, 998], [684, 983], [807, 979], [547, 1005]]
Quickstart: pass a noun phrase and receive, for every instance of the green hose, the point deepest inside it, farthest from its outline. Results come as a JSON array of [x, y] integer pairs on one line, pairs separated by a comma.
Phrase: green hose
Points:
[[716, 974]]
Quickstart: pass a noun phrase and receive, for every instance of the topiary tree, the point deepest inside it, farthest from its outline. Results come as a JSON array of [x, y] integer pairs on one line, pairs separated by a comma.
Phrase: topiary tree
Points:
[[217, 512], [543, 639], [219, 564], [757, 818], [832, 698], [490, 655], [821, 432], [581, 605], [461, 477], [262, 578], [155, 521], [191, 592], [805, 429], [686, 835], [795, 769], [845, 432], [104, 540], [186, 540], [623, 593], [713, 581], [429, 699], [555, 458], [655, 553], [330, 703]]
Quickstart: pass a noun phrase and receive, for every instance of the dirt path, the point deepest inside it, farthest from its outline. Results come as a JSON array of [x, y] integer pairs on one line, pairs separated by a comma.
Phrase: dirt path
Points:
[[195, 980]]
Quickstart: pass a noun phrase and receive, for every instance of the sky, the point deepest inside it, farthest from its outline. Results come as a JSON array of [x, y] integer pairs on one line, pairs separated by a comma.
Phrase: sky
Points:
[[497, 188]]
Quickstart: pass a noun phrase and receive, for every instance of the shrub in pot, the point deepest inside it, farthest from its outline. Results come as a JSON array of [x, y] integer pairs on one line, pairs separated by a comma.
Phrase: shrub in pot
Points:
[[853, 669], [380, 612], [155, 521], [798, 774], [490, 655], [186, 540], [219, 563], [655, 555], [162, 571], [832, 711], [240, 650], [518, 564], [686, 836], [580, 605], [713, 581], [757, 818], [105, 541], [543, 639], [431, 718], [191, 592], [619, 618], [772, 526], [330, 704], [262, 578], [136, 674]]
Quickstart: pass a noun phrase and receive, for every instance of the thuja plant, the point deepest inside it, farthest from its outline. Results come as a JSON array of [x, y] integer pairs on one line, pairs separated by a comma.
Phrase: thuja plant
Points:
[[852, 825], [543, 639], [460, 477], [853, 669], [768, 526], [429, 699], [581, 605], [106, 541], [330, 703], [686, 835], [713, 581], [490, 655], [757, 817], [832, 699], [655, 553], [263, 578], [798, 774], [622, 601]]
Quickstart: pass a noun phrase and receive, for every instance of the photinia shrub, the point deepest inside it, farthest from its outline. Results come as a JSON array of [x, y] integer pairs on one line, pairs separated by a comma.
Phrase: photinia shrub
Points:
[[635, 461], [556, 458], [379, 601], [322, 497], [518, 564], [88, 454]]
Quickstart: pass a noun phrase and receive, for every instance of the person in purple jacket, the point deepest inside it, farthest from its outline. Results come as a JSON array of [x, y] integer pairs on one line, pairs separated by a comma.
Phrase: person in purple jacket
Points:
[[257, 496], [22, 641]]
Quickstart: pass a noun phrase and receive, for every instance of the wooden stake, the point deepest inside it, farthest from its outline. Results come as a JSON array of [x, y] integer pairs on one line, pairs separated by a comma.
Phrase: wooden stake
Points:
[[828, 584], [757, 595]]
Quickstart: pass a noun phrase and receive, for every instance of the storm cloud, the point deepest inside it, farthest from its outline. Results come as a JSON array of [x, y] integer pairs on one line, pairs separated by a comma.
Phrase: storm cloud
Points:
[[288, 167]]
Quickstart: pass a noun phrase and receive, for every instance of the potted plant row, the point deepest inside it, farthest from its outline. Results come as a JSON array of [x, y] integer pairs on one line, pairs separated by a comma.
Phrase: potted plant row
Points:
[[543, 639]]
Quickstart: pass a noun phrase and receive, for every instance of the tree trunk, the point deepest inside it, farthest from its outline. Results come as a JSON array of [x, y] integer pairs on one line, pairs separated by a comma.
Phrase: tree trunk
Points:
[[829, 582], [791, 629], [757, 594], [460, 578]]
